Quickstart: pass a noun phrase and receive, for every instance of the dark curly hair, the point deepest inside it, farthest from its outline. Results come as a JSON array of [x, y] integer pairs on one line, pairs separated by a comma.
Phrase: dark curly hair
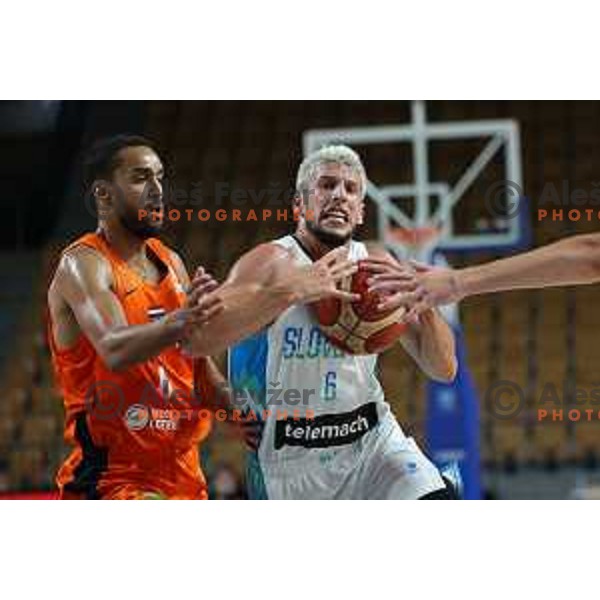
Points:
[[101, 159]]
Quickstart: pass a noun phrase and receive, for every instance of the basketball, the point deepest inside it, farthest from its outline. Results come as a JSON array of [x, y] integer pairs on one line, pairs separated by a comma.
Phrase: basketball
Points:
[[358, 327]]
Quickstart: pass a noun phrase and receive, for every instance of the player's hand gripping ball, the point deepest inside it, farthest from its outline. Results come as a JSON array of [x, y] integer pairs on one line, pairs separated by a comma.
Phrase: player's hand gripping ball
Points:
[[359, 327]]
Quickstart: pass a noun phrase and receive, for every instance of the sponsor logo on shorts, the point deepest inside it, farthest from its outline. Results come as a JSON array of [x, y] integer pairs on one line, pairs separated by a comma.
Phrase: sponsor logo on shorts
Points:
[[324, 431]]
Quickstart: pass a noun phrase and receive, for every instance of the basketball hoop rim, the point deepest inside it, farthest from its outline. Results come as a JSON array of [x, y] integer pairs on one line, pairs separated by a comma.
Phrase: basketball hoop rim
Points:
[[415, 237]]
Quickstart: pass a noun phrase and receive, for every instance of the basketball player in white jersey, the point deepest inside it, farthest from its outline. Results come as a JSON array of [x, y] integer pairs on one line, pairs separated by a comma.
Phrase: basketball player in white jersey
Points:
[[572, 261], [352, 447]]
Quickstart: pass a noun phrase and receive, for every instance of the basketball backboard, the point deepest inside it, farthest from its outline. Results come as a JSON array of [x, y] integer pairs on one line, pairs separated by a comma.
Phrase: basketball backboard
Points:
[[502, 222]]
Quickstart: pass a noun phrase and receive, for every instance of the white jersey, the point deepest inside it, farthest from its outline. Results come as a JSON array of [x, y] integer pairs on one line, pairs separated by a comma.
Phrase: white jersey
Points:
[[290, 366]]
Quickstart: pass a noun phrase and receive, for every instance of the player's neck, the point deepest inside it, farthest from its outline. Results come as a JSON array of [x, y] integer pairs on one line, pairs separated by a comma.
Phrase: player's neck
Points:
[[315, 247], [126, 244]]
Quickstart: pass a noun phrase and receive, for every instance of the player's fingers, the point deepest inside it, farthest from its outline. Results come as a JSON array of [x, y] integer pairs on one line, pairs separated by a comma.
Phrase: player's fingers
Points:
[[377, 260], [193, 297], [207, 288], [342, 263], [252, 441], [204, 306], [333, 256], [339, 274], [400, 299], [348, 296], [212, 312], [420, 266], [394, 285], [198, 272], [391, 277], [401, 267], [201, 319], [202, 276], [392, 302], [249, 437], [208, 301], [342, 266], [198, 280], [252, 429], [382, 267], [251, 432], [202, 290], [202, 280], [412, 315]]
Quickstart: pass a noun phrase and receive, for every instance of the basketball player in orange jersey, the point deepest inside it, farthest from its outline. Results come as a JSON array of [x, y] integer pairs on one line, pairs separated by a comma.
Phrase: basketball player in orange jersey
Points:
[[571, 261], [118, 318], [117, 309], [352, 447]]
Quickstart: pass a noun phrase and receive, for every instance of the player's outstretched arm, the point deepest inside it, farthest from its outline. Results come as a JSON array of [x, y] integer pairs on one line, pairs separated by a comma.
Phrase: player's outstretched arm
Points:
[[83, 285], [572, 261], [263, 284]]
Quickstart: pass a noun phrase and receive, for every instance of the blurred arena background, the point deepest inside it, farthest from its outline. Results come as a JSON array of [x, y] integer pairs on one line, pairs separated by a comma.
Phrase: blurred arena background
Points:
[[530, 338]]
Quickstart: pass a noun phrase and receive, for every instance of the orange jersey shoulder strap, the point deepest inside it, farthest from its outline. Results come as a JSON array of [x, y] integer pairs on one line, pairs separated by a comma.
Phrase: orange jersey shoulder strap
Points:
[[125, 280], [121, 275], [164, 254]]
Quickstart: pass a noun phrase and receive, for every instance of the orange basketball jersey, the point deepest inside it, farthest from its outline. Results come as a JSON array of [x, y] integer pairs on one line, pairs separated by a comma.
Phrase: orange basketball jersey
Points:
[[135, 432]]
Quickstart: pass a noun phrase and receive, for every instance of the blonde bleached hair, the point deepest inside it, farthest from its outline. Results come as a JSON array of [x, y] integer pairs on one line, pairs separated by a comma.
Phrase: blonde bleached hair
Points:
[[339, 154]]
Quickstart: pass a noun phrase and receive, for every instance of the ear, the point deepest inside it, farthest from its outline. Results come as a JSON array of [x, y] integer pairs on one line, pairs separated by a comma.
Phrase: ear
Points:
[[298, 205], [361, 214], [103, 195], [101, 190]]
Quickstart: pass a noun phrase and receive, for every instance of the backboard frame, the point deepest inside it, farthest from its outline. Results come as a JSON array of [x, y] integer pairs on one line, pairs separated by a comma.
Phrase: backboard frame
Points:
[[501, 133]]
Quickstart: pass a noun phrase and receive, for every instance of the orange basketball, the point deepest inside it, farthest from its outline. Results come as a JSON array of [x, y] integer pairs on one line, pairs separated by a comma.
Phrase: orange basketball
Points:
[[358, 327]]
